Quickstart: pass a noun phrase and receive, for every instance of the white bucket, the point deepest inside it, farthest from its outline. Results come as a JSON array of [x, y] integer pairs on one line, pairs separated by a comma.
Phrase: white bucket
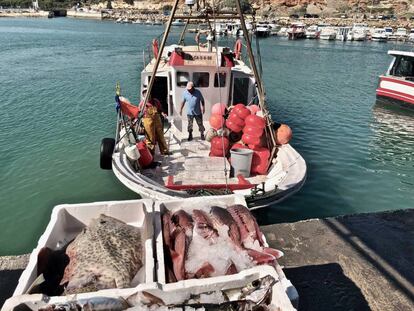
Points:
[[241, 161]]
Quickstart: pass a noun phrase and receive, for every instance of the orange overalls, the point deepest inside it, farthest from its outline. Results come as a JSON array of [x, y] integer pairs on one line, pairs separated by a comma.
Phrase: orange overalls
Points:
[[154, 132]]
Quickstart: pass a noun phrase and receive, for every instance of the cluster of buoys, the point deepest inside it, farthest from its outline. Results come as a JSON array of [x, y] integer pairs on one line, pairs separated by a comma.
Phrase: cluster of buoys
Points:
[[244, 128]]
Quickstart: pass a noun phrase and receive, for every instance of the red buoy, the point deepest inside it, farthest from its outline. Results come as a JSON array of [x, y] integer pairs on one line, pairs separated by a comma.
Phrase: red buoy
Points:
[[146, 157]]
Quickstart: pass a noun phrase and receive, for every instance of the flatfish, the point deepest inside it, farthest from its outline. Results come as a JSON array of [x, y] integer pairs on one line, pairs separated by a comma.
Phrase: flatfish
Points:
[[106, 254]]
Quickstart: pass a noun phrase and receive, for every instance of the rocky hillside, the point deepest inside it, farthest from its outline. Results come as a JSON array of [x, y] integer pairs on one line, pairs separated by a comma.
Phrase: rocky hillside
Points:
[[326, 8]]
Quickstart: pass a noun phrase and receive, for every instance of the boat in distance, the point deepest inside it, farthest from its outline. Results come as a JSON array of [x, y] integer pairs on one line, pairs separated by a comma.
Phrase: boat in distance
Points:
[[193, 168], [396, 86]]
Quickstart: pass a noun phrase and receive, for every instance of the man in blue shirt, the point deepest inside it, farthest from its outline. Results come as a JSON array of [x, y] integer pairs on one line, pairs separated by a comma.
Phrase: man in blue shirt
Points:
[[195, 109]]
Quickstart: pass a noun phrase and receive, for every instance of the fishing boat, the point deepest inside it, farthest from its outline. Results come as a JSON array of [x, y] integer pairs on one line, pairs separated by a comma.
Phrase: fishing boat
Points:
[[198, 167], [396, 86], [296, 31]]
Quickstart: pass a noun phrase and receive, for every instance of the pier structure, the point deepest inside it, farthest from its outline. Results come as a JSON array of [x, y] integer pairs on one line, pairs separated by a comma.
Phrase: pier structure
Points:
[[356, 262]]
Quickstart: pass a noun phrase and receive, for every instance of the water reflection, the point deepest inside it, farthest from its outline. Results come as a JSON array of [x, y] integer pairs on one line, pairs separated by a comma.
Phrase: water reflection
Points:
[[393, 140]]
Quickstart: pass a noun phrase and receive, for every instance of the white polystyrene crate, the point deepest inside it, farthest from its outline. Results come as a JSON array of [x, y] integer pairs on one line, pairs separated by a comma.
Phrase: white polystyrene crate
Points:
[[68, 220], [188, 205], [36, 301], [196, 286]]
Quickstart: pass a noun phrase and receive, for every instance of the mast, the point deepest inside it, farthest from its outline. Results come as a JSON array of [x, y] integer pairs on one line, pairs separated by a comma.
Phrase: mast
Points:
[[157, 62]]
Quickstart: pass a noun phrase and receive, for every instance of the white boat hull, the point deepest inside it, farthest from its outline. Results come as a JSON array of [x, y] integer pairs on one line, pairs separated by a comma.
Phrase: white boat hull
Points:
[[286, 176]]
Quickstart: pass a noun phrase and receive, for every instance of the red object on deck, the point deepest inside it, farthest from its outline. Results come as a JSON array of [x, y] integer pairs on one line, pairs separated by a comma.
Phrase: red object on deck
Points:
[[176, 59], [219, 146], [253, 120], [241, 185], [146, 157], [155, 47], [228, 61], [127, 108], [241, 111], [260, 161]]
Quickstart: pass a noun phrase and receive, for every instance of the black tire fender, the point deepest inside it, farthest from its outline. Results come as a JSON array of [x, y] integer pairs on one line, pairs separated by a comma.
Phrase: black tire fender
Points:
[[107, 149]]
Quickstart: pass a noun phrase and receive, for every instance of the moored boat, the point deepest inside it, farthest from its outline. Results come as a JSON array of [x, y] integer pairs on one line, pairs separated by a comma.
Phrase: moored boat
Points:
[[193, 168], [312, 32], [396, 86], [296, 31], [379, 35], [263, 29], [328, 33], [401, 34]]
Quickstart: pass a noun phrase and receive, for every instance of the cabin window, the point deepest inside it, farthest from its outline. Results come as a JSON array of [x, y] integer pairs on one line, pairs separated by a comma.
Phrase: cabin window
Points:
[[241, 90], [182, 78], [404, 67], [220, 79], [201, 79]]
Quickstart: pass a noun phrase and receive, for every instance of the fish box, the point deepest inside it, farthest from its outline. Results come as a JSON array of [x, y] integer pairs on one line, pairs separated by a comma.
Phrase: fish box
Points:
[[68, 220], [284, 293]]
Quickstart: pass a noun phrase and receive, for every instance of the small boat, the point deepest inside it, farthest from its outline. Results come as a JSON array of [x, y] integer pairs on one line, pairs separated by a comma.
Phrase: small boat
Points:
[[396, 86], [379, 35], [157, 22], [343, 33], [312, 32], [401, 34], [389, 32], [282, 32], [328, 33], [263, 29], [296, 31], [221, 29], [359, 32], [411, 35], [178, 22], [201, 167]]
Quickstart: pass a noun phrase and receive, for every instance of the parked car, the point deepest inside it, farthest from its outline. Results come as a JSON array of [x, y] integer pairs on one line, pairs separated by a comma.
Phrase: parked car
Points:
[[294, 16]]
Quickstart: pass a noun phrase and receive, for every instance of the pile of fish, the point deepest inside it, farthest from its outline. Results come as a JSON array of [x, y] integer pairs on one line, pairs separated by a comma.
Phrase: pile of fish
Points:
[[255, 295], [106, 254], [212, 242]]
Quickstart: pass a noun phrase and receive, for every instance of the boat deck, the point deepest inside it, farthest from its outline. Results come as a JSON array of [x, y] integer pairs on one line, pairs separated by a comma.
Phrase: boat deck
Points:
[[190, 163]]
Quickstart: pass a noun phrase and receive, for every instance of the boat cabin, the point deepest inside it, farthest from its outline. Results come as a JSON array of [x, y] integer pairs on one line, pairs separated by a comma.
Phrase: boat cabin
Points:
[[221, 79], [402, 65]]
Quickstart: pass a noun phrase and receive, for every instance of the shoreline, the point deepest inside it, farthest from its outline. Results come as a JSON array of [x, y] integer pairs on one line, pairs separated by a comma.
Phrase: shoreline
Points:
[[136, 15], [354, 262]]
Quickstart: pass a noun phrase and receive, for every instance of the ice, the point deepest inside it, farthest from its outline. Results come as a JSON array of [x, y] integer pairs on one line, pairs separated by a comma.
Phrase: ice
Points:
[[219, 253], [251, 243]]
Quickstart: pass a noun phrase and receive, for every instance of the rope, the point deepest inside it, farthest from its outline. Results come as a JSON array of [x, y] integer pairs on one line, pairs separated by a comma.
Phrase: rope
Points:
[[220, 101]]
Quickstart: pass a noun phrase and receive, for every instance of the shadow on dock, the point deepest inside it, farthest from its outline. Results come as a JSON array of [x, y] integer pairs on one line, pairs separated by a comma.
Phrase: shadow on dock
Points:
[[345, 257], [325, 287], [8, 282]]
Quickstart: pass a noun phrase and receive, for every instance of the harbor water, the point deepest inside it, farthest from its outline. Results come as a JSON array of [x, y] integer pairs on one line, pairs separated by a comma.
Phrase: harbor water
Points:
[[57, 100]]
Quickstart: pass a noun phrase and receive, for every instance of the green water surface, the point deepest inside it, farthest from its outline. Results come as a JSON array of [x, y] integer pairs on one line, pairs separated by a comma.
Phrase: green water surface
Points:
[[57, 80]]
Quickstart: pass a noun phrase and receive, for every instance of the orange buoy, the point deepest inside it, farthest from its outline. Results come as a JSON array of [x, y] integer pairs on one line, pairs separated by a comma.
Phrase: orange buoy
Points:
[[237, 48], [155, 47], [283, 134], [146, 157]]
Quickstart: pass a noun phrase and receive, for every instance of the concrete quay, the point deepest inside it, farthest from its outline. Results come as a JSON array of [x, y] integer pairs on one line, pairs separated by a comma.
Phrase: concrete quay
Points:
[[356, 262]]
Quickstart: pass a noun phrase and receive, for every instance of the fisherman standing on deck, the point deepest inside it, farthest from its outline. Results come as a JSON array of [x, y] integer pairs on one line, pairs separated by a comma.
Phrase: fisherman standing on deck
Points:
[[195, 109], [153, 127]]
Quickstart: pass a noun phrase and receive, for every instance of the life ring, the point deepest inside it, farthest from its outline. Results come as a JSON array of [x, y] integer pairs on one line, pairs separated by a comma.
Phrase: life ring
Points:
[[155, 47], [237, 48]]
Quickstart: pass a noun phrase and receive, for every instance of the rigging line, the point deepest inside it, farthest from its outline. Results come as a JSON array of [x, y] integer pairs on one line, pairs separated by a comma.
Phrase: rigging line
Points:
[[220, 98]]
